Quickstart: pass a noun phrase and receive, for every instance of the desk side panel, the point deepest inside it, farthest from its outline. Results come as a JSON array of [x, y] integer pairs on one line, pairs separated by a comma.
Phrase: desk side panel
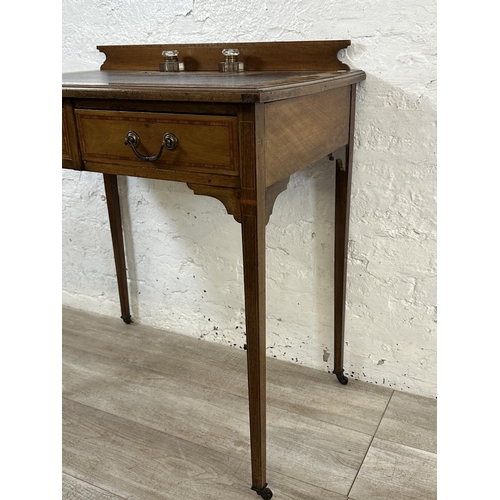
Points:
[[71, 157], [303, 130]]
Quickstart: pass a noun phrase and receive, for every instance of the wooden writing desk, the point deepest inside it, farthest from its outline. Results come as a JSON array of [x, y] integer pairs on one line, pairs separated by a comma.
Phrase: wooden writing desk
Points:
[[234, 136]]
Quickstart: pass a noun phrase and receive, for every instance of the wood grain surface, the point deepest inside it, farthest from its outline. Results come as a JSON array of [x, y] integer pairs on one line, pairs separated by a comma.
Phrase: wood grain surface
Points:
[[262, 56], [206, 143], [75, 489], [297, 389], [70, 147], [327, 454], [394, 471], [66, 155], [134, 461], [303, 130], [115, 224], [410, 420], [203, 87]]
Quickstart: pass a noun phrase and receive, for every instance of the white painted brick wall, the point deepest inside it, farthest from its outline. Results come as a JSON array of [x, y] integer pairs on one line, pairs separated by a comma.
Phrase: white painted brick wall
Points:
[[184, 251]]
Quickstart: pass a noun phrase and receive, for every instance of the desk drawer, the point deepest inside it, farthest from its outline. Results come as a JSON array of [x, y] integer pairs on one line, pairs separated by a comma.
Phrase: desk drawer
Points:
[[204, 143]]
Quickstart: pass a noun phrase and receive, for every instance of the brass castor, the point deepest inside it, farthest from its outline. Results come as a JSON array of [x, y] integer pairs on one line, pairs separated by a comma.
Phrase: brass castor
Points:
[[341, 377], [265, 492]]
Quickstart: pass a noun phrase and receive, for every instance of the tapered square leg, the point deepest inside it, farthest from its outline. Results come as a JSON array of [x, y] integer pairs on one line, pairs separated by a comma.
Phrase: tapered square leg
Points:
[[115, 222], [343, 173], [254, 264], [253, 230]]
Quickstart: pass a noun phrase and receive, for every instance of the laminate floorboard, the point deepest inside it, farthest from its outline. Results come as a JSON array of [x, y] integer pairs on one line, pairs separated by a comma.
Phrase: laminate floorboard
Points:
[[358, 406], [151, 415], [75, 489], [285, 487], [410, 420], [183, 409], [328, 454], [395, 471], [136, 462]]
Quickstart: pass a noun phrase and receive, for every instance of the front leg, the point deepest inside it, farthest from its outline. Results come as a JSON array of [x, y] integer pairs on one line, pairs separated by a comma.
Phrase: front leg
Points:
[[253, 230], [115, 222], [254, 266]]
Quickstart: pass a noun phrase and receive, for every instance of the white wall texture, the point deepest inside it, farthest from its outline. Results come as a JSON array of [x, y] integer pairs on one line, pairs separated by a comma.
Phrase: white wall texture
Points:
[[184, 251]]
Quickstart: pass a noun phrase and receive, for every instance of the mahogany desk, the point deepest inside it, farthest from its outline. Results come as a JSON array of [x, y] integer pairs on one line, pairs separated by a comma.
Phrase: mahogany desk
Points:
[[234, 136]]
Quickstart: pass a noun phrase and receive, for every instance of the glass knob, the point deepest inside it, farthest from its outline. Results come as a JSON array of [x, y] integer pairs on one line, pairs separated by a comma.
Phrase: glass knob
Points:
[[231, 52], [170, 54], [231, 63], [171, 61]]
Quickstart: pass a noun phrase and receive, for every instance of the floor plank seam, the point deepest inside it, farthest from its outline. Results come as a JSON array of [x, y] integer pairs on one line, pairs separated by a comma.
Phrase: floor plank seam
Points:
[[93, 485], [305, 482], [406, 445], [370, 445]]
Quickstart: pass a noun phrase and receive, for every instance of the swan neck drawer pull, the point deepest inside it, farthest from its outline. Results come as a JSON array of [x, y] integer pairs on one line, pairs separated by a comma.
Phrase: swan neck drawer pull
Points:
[[133, 140]]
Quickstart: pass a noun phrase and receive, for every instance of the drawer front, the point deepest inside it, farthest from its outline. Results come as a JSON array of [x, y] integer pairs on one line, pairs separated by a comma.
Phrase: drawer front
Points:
[[205, 143]]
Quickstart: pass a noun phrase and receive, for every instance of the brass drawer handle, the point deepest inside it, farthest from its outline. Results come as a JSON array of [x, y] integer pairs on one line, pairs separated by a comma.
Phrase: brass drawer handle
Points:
[[132, 139]]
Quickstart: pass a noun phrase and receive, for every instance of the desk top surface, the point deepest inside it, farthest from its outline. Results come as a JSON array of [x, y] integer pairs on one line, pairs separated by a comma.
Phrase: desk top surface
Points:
[[249, 86]]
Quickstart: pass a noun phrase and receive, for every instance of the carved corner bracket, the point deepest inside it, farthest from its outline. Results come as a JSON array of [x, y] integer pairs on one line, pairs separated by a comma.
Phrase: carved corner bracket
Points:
[[230, 197], [272, 192]]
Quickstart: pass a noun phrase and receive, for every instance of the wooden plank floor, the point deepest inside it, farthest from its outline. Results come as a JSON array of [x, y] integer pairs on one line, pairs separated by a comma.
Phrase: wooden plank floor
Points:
[[150, 415]]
